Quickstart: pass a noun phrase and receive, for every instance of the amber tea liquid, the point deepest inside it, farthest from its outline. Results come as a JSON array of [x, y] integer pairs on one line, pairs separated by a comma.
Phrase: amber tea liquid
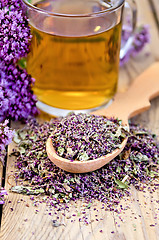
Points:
[[74, 72]]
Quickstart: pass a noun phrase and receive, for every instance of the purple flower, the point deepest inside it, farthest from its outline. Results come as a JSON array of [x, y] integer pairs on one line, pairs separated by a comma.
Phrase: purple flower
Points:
[[141, 38], [10, 3], [14, 34], [17, 101], [2, 193], [137, 165], [6, 135]]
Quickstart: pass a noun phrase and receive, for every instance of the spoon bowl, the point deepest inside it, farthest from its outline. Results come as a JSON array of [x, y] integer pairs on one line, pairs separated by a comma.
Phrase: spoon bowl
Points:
[[81, 166], [124, 106]]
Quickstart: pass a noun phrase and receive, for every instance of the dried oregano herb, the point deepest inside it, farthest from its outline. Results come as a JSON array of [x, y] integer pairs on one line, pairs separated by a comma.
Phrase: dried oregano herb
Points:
[[85, 137], [136, 165]]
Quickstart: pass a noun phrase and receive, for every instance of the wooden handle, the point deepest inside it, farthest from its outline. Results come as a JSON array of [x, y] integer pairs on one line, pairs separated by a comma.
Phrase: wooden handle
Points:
[[136, 99]]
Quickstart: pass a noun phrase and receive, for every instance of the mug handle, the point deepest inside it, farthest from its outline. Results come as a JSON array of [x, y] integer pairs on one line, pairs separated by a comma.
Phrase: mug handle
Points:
[[131, 4]]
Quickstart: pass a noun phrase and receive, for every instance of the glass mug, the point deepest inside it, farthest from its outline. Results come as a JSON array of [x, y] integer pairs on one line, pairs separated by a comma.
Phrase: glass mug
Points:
[[74, 53]]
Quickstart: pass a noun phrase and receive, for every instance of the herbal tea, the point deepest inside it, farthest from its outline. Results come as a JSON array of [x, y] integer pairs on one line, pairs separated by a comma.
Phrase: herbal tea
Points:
[[77, 71]]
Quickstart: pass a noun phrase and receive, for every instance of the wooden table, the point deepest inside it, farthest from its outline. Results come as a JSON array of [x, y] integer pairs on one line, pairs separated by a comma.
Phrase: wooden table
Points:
[[20, 220]]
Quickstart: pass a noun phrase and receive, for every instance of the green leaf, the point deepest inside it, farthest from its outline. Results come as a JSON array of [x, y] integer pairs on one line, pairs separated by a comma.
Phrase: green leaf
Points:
[[139, 157], [22, 63], [121, 184], [118, 169], [23, 134], [27, 190], [16, 138], [83, 156], [22, 150], [89, 205], [154, 174], [118, 131]]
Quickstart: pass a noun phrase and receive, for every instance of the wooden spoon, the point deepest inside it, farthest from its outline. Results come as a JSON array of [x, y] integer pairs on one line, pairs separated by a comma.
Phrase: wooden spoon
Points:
[[124, 106]]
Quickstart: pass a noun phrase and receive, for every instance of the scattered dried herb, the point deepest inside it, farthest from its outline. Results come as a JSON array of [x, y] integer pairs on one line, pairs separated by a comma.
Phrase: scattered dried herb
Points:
[[136, 165], [6, 135], [56, 223], [3, 192], [85, 137]]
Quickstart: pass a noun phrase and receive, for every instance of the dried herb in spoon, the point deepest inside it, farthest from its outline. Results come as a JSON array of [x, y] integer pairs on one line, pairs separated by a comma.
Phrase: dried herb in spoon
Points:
[[85, 137], [136, 165]]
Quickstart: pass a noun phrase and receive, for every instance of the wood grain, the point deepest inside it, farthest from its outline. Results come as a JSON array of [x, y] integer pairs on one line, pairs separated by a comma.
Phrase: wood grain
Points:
[[1, 173], [138, 216], [156, 9], [151, 52]]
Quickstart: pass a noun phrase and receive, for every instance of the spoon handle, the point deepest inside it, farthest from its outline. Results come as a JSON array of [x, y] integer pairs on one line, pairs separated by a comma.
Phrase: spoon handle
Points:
[[136, 99]]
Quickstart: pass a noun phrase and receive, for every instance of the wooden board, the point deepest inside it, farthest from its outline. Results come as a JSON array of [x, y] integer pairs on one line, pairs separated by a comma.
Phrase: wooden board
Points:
[[151, 52], [1, 173], [138, 216], [156, 9]]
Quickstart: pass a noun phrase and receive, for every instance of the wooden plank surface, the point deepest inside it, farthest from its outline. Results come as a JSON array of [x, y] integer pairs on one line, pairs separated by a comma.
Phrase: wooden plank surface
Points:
[[151, 52], [140, 217], [1, 173], [22, 220], [156, 7], [143, 60]]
